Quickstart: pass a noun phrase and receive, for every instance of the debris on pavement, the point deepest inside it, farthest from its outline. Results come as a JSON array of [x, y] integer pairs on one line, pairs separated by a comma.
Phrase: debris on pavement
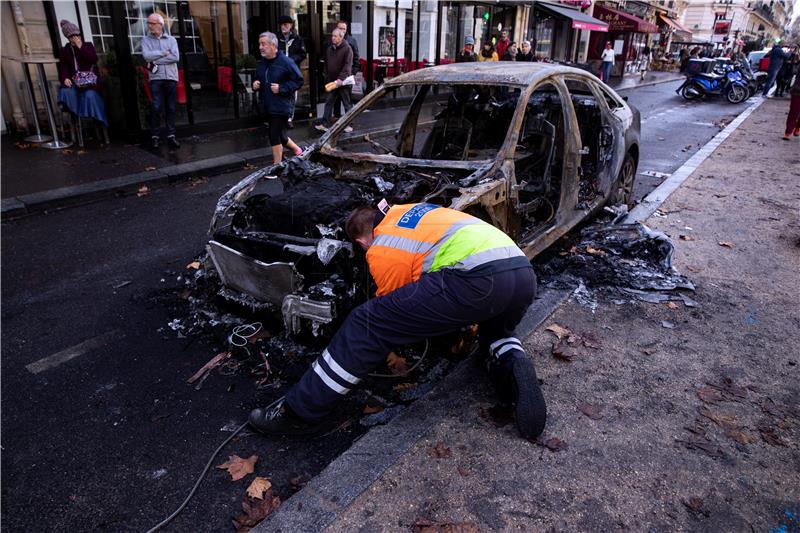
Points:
[[592, 411], [258, 487], [238, 467], [255, 510], [554, 444], [439, 451]]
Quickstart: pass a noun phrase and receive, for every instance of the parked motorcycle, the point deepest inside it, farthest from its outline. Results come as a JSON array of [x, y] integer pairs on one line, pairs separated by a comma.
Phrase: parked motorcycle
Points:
[[755, 80], [705, 80]]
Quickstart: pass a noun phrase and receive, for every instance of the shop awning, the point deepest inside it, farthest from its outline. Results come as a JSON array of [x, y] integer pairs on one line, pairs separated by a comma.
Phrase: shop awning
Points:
[[676, 25], [621, 21], [580, 21]]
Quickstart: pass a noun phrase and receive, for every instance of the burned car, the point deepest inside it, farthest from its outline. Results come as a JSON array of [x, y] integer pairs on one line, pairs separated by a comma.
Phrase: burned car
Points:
[[532, 148]]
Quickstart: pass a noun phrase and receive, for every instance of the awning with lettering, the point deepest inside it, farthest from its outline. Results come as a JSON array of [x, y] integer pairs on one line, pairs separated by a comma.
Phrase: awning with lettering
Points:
[[580, 21], [621, 21], [679, 28]]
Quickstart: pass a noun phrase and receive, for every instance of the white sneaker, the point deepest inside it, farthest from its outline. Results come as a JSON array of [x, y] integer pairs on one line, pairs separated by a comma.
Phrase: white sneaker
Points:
[[320, 127], [348, 129]]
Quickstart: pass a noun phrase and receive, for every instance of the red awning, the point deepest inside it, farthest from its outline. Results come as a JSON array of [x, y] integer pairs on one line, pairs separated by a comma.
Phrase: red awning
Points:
[[676, 25], [621, 21], [580, 21]]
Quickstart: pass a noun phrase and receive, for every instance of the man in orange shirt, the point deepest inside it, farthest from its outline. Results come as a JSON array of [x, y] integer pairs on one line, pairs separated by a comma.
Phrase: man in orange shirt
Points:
[[436, 270]]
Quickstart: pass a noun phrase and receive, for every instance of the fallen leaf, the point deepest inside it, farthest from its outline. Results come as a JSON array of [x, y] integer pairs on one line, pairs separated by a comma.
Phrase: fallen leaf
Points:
[[144, 190], [573, 339], [464, 471], [439, 451], [403, 386], [66, 152], [258, 487], [370, 409], [559, 331], [591, 342], [553, 444], [300, 481], [686, 237], [594, 251], [649, 349], [396, 363], [565, 352], [194, 264], [672, 305], [726, 244], [695, 505], [709, 395], [592, 411], [722, 420], [212, 363], [255, 510], [499, 415], [702, 444], [426, 526], [741, 437], [22, 146], [238, 467], [149, 168]]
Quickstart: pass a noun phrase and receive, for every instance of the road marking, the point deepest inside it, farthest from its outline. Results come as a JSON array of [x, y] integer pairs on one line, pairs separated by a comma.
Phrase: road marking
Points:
[[72, 352]]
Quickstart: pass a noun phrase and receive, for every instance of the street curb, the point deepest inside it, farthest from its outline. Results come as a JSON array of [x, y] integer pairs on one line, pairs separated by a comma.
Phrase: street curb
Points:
[[650, 84], [659, 195], [326, 496], [39, 201]]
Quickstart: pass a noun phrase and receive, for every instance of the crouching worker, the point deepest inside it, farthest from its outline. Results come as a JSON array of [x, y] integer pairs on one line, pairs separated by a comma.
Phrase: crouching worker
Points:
[[437, 270]]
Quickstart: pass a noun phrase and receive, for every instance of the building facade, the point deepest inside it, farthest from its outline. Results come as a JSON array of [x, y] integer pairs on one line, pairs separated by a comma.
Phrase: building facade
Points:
[[737, 24]]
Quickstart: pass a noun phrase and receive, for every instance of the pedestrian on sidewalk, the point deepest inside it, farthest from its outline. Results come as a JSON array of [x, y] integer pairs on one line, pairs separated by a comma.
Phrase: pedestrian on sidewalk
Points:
[[793, 119], [502, 44], [277, 79], [161, 52], [467, 54], [77, 69], [293, 46], [646, 58], [526, 54], [776, 59], [785, 74], [437, 270], [608, 62], [350, 40], [487, 53], [338, 68], [511, 52]]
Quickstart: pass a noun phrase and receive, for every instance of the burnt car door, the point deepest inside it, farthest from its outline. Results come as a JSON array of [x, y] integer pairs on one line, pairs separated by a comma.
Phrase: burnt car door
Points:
[[546, 160]]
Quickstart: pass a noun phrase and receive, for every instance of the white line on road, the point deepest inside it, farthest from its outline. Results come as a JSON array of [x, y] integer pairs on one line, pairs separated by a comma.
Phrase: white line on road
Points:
[[72, 352]]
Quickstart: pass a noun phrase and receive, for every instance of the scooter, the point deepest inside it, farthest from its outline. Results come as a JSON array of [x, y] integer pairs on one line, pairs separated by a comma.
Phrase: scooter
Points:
[[729, 83], [755, 80]]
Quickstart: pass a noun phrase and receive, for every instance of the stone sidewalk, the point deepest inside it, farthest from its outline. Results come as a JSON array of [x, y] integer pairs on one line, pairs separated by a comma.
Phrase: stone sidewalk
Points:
[[683, 419]]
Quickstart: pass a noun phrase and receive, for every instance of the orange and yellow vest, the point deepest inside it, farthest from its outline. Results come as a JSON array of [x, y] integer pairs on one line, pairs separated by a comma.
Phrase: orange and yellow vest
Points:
[[416, 239]]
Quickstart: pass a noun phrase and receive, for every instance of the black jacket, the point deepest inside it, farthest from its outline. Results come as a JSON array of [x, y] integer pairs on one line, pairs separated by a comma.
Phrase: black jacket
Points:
[[466, 57], [525, 57], [293, 46], [338, 62], [286, 74]]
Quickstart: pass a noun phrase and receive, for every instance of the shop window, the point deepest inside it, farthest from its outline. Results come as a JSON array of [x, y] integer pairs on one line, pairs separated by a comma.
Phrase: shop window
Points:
[[100, 25], [538, 158]]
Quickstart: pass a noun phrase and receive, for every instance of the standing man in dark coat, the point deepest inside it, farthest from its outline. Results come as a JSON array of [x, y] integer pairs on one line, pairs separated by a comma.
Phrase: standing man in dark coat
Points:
[[291, 44], [277, 79], [338, 68], [342, 25], [776, 58]]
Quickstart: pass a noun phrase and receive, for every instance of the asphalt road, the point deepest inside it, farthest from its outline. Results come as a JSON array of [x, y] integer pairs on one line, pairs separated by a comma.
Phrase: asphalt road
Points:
[[109, 437]]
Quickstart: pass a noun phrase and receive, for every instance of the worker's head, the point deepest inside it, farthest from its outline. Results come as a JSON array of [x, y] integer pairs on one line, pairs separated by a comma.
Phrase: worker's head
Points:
[[360, 225], [155, 23], [337, 36], [286, 23], [268, 45]]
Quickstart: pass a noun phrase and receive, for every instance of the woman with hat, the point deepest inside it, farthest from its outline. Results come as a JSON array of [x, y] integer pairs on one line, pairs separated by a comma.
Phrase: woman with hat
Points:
[[77, 71], [467, 55]]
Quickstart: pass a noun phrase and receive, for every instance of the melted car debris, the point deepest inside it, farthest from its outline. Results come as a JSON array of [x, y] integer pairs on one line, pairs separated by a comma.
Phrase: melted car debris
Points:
[[630, 259]]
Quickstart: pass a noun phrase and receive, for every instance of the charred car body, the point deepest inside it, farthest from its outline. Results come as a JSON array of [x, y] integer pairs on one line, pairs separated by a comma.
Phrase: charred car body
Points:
[[532, 148]]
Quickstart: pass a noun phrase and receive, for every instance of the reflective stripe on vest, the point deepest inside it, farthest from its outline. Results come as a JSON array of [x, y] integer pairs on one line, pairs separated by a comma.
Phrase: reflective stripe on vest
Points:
[[464, 243]]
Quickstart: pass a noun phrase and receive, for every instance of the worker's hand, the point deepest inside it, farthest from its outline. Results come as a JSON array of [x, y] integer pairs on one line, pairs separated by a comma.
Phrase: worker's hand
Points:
[[67, 82], [275, 88], [256, 85]]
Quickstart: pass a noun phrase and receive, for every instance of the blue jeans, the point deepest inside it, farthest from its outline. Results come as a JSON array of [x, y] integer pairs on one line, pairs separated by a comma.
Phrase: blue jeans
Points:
[[607, 66], [165, 96], [772, 73]]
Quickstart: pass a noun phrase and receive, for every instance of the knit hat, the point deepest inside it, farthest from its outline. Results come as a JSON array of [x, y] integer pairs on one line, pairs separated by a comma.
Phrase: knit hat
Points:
[[285, 19], [69, 29], [469, 40]]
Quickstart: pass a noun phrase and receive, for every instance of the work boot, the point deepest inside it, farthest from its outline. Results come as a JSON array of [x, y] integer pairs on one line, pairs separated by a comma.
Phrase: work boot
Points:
[[514, 378], [154, 143], [280, 420], [173, 142]]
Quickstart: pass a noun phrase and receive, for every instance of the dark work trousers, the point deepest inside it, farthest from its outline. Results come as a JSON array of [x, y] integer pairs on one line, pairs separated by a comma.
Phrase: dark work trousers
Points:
[[438, 303], [772, 73], [165, 94], [340, 94]]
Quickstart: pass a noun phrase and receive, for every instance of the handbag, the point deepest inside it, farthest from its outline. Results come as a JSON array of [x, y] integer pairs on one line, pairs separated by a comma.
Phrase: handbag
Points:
[[83, 79]]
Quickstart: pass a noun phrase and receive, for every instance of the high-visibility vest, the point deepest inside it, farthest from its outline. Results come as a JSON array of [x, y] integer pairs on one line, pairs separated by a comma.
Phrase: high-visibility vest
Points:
[[415, 239]]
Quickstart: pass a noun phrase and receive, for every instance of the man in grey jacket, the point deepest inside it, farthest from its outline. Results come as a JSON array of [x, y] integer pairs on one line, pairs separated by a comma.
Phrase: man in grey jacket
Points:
[[161, 53]]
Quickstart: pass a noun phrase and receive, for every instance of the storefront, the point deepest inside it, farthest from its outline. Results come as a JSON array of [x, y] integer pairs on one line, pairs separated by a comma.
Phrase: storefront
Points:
[[218, 40], [672, 32], [555, 30], [628, 34]]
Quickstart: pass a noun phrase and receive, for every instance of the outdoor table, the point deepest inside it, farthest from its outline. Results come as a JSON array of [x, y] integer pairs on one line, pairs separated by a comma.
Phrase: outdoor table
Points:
[[40, 62]]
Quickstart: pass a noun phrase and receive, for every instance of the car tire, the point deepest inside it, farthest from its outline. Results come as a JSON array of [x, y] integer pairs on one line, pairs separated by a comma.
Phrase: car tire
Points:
[[736, 94], [622, 189]]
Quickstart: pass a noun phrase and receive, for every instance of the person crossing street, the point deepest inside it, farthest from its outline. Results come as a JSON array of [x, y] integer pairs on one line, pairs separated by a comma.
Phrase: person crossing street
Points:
[[436, 270]]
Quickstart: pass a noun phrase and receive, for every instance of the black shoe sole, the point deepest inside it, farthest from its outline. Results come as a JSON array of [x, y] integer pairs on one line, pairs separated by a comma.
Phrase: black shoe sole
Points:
[[288, 430], [531, 407]]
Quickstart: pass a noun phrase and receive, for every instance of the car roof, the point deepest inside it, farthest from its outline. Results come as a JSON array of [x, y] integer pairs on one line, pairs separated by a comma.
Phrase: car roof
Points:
[[487, 72]]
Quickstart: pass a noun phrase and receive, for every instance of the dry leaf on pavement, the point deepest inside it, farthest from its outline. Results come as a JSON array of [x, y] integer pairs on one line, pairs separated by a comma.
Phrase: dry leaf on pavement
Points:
[[594, 251], [726, 244], [194, 264], [710, 395], [258, 487], [590, 410], [559, 331], [396, 364], [238, 467], [144, 190], [255, 511], [672, 305], [741, 437], [372, 409], [565, 352], [439, 451], [554, 444], [686, 237]]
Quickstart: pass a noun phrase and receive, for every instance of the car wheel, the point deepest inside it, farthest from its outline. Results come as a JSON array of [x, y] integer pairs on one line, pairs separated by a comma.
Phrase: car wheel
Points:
[[623, 187], [736, 94]]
